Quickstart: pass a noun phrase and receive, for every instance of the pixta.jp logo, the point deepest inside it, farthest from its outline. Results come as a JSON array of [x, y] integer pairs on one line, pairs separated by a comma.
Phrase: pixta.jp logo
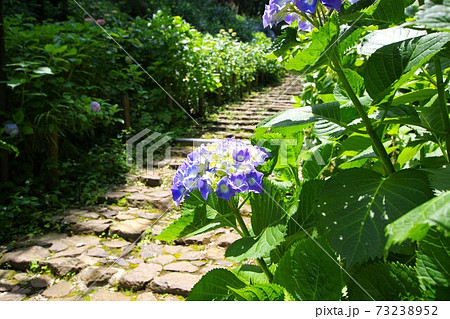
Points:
[[143, 146]]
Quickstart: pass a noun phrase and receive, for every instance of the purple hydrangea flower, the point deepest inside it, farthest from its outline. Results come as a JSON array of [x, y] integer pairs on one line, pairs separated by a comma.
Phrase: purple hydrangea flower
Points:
[[334, 4], [224, 167], [254, 181], [12, 129], [225, 189], [307, 6], [239, 182], [95, 107]]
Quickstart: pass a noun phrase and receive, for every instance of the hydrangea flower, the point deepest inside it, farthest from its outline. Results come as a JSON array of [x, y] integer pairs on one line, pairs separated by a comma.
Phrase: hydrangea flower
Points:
[[287, 10], [95, 107], [12, 129], [226, 167]]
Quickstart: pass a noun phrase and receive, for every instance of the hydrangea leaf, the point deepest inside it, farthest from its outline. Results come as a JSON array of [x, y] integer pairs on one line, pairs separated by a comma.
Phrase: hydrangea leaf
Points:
[[310, 272], [305, 215], [256, 247], [266, 210], [433, 260], [215, 286], [261, 292], [356, 205], [433, 16], [392, 65], [198, 216], [317, 161], [415, 224], [393, 281]]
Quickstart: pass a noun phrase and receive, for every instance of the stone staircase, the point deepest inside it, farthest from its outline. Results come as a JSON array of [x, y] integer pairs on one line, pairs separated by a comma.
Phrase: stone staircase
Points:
[[109, 252]]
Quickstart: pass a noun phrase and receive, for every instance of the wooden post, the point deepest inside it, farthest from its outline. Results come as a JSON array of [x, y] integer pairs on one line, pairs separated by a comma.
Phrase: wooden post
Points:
[[201, 105], [219, 96], [4, 154], [125, 101], [233, 85], [53, 157]]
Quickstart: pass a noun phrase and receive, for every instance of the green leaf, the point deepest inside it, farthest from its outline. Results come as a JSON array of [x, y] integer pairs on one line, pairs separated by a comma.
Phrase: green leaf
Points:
[[354, 144], [415, 224], [43, 71], [317, 161], [433, 260], [266, 210], [321, 39], [389, 12], [303, 116], [251, 273], [305, 215], [410, 151], [357, 204], [419, 95], [433, 16], [215, 286], [286, 41], [380, 38], [19, 117], [356, 82], [310, 272], [393, 65], [384, 281], [439, 179], [262, 292], [199, 216], [256, 247]]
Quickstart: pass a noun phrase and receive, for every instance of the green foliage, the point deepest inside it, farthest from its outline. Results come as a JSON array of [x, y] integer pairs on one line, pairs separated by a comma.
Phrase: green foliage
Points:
[[310, 271], [216, 285], [393, 281], [415, 224], [357, 204], [199, 216], [263, 292]]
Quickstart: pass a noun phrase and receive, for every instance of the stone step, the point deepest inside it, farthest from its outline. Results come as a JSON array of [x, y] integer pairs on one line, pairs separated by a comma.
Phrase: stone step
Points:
[[231, 128]]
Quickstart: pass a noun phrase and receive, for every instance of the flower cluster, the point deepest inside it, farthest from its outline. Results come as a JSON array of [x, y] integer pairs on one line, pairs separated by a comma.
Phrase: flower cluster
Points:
[[95, 107], [288, 11], [226, 167], [12, 129]]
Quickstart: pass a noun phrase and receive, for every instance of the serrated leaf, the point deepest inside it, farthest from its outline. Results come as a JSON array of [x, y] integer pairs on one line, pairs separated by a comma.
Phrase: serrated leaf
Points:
[[317, 161], [439, 179], [305, 215], [357, 204], [433, 16], [321, 39], [410, 151], [256, 247], [266, 210], [199, 216], [392, 65], [389, 12], [415, 224], [354, 144], [433, 260], [380, 38], [384, 281], [215, 286], [262, 292], [304, 115], [251, 273], [310, 273]]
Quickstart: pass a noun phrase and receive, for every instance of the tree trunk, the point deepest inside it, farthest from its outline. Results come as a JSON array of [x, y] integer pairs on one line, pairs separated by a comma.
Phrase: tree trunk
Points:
[[125, 101]]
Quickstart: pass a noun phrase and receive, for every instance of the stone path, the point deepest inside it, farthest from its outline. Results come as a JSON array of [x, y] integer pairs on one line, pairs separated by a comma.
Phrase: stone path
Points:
[[109, 253]]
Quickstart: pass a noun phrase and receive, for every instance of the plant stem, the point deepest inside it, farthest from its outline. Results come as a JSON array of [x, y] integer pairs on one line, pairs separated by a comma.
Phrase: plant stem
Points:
[[245, 231], [379, 147], [442, 103]]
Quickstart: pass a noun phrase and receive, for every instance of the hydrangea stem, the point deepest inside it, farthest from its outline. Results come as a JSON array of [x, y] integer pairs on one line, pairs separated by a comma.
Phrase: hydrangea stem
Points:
[[442, 103], [379, 147], [246, 233]]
